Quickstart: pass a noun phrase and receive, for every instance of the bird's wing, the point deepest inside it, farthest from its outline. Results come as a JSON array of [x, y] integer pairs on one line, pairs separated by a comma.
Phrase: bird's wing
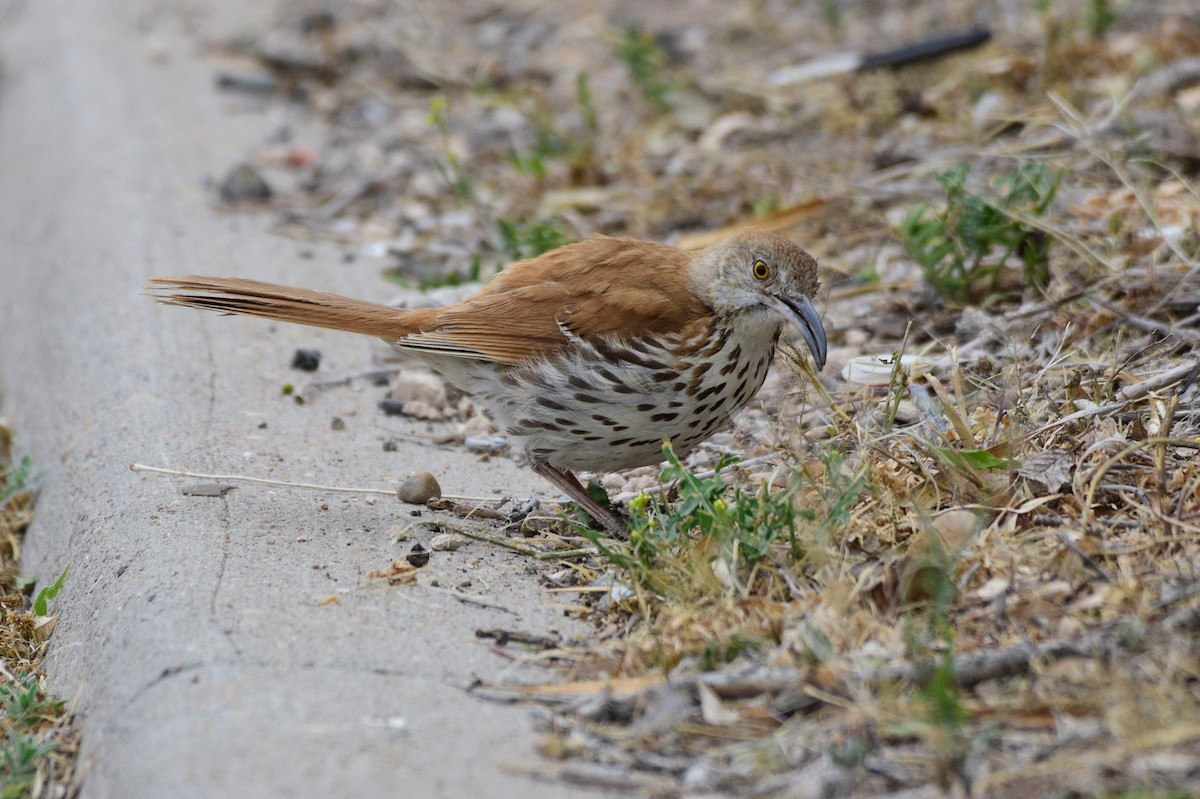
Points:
[[615, 288]]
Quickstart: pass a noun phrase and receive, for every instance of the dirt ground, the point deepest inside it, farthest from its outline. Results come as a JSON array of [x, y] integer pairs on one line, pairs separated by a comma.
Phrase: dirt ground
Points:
[[979, 572]]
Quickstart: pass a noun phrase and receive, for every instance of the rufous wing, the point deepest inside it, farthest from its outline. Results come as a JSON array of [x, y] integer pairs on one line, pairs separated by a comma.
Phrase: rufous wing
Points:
[[620, 288]]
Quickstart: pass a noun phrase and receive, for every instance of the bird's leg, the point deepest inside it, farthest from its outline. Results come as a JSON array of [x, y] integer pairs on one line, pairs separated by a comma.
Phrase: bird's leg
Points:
[[569, 483]]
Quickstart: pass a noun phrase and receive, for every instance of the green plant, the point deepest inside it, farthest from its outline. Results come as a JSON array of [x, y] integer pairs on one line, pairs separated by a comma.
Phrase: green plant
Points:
[[831, 13], [963, 249], [520, 240], [710, 518], [1099, 17], [550, 142], [15, 477], [449, 167], [41, 603], [23, 705], [645, 59], [19, 754]]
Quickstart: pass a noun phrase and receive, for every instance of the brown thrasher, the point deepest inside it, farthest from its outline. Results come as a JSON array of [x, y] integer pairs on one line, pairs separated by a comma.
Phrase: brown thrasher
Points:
[[590, 355]]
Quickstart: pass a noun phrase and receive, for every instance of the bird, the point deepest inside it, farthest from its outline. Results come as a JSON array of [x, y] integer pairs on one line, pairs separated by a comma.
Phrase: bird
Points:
[[588, 356]]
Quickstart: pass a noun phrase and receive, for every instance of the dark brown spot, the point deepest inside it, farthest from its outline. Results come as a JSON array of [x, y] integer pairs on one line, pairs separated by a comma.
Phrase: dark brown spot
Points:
[[680, 386], [578, 381], [645, 442], [719, 403], [641, 345], [708, 392], [621, 388], [745, 368], [665, 375], [675, 404], [592, 438], [717, 344], [646, 406], [664, 417], [581, 397], [602, 419], [546, 402], [621, 355], [699, 409], [740, 393], [729, 367], [620, 442], [577, 432], [621, 428], [564, 422]]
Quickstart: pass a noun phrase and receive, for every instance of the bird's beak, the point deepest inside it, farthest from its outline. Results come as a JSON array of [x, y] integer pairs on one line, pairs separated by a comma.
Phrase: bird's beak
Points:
[[801, 313]]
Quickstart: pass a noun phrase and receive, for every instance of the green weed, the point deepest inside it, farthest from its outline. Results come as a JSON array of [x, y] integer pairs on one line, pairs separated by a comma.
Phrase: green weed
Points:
[[24, 706], [41, 603], [963, 249], [460, 183], [645, 59], [15, 477], [551, 143], [521, 240]]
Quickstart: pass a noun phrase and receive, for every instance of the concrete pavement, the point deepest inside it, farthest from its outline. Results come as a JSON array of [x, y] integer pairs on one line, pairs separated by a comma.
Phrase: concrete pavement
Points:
[[199, 632]]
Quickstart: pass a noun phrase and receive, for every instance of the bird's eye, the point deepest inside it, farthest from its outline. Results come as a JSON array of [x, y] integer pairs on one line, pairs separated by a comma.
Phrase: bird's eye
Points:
[[761, 270]]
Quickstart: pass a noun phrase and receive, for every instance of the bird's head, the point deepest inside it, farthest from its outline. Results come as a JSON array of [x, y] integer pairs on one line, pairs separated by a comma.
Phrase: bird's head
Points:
[[759, 273]]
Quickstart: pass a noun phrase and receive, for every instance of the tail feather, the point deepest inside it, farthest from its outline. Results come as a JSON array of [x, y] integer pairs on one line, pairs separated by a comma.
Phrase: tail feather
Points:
[[233, 295]]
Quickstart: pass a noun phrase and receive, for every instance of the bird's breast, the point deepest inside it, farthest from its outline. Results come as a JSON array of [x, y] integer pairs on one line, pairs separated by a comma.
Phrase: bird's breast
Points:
[[606, 404]]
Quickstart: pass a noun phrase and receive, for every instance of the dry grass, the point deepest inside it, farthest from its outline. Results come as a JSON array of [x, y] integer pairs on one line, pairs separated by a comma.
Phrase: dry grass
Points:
[[38, 742]]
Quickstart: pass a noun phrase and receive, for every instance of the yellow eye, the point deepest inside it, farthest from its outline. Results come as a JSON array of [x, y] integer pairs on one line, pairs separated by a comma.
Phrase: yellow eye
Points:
[[761, 270]]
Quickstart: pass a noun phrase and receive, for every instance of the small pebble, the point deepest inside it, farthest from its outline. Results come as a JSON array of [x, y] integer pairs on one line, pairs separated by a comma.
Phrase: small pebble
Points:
[[243, 183], [324, 506], [337, 424], [419, 489], [490, 445], [391, 407], [391, 444], [306, 360], [417, 557], [447, 542]]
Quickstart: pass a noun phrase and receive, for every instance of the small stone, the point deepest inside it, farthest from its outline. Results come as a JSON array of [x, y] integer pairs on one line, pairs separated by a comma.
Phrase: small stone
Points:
[[418, 386], [391, 407], [419, 489], [486, 445], [417, 557], [420, 410], [447, 542], [306, 360], [477, 427], [324, 506], [337, 424], [206, 490], [243, 183], [391, 444]]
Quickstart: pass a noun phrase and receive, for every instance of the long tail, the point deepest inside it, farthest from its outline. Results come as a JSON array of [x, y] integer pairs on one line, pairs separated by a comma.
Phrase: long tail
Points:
[[233, 295]]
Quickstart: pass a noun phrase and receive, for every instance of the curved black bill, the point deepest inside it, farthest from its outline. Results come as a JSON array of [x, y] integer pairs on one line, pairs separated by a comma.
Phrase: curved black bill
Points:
[[801, 313]]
